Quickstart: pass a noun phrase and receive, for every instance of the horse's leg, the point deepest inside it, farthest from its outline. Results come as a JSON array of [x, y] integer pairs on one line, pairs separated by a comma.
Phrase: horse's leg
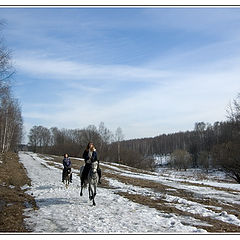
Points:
[[95, 192], [89, 191], [95, 189], [92, 193], [65, 181], [81, 188]]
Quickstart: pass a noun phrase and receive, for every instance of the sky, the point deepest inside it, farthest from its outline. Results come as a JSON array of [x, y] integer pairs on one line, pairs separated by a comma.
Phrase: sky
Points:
[[147, 70]]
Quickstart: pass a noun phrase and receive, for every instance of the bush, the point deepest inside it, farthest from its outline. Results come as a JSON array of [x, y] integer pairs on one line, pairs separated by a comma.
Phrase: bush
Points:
[[180, 159]]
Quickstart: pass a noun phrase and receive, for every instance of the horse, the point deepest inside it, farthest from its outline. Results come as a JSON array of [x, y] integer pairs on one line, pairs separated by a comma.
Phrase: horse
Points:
[[67, 177], [92, 181]]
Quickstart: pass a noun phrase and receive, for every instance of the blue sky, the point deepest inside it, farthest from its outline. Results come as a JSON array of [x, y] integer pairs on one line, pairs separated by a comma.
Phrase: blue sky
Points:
[[148, 70]]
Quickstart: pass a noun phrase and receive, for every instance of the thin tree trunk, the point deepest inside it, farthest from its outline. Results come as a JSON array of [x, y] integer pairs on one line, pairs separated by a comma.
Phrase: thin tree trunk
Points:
[[5, 132]]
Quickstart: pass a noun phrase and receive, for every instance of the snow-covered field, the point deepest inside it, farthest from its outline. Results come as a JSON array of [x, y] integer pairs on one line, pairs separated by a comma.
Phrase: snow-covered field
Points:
[[63, 210]]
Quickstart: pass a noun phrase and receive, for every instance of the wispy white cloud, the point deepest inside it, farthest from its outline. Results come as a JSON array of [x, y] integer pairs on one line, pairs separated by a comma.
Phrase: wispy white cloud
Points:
[[64, 69], [219, 54]]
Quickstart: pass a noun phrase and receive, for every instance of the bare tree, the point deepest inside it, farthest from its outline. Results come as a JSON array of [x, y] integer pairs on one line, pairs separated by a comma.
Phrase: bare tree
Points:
[[33, 138], [90, 134], [233, 110], [46, 138], [6, 67], [204, 160], [106, 138], [10, 121], [119, 137]]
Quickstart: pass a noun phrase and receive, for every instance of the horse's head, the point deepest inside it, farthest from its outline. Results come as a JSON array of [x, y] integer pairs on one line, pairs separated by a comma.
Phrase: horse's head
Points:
[[94, 166]]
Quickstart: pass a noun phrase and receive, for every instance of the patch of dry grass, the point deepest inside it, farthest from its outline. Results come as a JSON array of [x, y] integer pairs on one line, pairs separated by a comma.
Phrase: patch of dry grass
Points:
[[12, 198]]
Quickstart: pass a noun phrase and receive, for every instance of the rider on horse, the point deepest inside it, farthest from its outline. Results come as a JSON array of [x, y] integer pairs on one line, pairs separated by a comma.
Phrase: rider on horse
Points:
[[90, 155], [67, 166]]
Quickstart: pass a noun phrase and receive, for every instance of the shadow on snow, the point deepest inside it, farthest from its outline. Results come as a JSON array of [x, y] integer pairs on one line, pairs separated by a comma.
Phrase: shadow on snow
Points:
[[51, 201], [44, 187]]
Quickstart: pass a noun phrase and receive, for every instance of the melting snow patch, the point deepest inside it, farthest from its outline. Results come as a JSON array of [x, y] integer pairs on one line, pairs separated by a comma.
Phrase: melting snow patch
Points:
[[171, 189], [48, 158], [201, 209], [25, 187]]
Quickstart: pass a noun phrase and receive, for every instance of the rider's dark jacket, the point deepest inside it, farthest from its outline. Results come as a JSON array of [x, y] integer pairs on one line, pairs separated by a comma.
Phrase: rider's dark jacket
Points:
[[86, 157], [67, 163]]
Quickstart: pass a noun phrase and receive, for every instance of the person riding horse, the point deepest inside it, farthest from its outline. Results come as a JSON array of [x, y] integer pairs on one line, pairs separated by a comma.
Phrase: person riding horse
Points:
[[90, 155], [67, 164]]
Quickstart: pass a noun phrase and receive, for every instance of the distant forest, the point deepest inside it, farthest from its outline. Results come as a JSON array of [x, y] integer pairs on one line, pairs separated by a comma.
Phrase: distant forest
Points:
[[203, 138]]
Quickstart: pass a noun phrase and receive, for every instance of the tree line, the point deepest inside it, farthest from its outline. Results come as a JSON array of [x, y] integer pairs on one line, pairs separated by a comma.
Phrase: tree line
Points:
[[207, 146], [73, 141], [11, 122], [57, 141]]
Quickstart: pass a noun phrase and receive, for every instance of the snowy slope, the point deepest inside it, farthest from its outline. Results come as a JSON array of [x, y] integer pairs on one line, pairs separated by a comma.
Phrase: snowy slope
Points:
[[63, 210]]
